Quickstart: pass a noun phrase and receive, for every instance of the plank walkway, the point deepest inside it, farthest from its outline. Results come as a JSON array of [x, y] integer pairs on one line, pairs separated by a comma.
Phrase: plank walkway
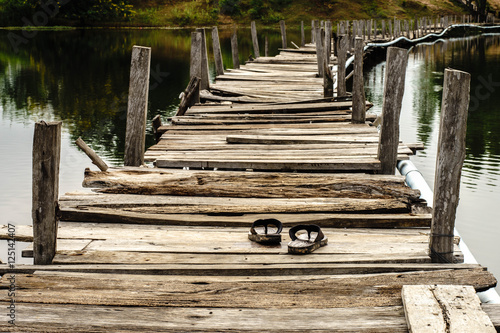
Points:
[[165, 249]]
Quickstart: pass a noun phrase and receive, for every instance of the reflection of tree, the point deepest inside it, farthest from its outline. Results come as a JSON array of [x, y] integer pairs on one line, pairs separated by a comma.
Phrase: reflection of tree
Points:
[[82, 77]]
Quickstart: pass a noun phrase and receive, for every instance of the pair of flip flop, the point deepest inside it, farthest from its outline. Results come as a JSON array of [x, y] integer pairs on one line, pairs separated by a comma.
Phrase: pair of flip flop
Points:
[[268, 231]]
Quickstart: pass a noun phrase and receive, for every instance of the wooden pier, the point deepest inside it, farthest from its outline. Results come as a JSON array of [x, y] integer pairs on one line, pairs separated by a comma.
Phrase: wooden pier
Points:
[[166, 249]]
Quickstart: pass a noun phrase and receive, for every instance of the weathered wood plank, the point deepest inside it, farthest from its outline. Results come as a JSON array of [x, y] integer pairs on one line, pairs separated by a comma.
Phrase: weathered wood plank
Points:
[[246, 184], [422, 311], [51, 318]]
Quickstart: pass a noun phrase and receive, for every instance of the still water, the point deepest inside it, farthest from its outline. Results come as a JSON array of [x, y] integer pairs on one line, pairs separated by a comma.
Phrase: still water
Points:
[[81, 78]]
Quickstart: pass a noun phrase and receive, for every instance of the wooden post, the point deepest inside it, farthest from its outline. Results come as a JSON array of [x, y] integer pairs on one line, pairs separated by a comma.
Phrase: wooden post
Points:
[[219, 65], [319, 50], [328, 41], [156, 124], [302, 34], [92, 154], [234, 50], [383, 29], [450, 158], [358, 89], [342, 42], [46, 159], [195, 67], [313, 31], [135, 136], [205, 80], [266, 46], [283, 34], [327, 81], [394, 88], [255, 40]]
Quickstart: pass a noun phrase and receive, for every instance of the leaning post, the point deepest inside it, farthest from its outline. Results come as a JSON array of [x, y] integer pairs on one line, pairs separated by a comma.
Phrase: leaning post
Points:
[[219, 65], [449, 161], [135, 136], [234, 50], [255, 40], [46, 160], [283, 34], [394, 88], [358, 89]]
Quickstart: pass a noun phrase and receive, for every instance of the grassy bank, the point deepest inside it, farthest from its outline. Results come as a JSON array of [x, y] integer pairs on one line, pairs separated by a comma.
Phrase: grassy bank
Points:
[[180, 13]]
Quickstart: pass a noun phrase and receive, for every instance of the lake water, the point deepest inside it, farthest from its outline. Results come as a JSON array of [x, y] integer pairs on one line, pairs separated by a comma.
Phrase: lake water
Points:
[[81, 78]]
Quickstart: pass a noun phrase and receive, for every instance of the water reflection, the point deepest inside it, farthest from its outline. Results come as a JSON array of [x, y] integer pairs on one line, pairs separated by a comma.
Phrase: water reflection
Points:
[[81, 78]]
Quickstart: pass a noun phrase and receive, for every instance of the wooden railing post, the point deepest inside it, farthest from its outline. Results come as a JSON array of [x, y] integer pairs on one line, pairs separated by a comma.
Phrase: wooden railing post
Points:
[[313, 31], [342, 42], [449, 161], [135, 137], [255, 40], [234, 50], [46, 160], [319, 50], [195, 65], [394, 87], [283, 34], [219, 65], [205, 80], [358, 88], [328, 41]]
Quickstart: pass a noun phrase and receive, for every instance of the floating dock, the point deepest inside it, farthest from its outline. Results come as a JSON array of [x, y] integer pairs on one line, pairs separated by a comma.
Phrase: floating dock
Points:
[[166, 249]]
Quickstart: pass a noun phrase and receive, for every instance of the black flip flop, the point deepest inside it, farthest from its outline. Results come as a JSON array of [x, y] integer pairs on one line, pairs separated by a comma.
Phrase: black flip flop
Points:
[[261, 233], [306, 242]]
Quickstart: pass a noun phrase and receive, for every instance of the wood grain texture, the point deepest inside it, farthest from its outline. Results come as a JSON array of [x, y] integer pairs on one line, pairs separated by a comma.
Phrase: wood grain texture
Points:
[[255, 40], [219, 65], [205, 76], [283, 35], [45, 189], [234, 50], [358, 85], [135, 137], [450, 158], [394, 84]]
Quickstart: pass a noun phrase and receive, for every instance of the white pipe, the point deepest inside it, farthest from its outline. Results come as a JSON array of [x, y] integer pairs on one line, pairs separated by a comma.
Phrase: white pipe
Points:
[[415, 180]]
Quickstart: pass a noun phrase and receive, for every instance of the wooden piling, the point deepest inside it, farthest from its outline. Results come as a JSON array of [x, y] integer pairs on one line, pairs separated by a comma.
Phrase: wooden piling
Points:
[[394, 87], [195, 66], [302, 34], [283, 34], [266, 46], [234, 50], [156, 124], [255, 40], [205, 79], [219, 65], [135, 136], [319, 50], [358, 89], [313, 31], [190, 97], [342, 42], [92, 154], [46, 160], [328, 41], [450, 158]]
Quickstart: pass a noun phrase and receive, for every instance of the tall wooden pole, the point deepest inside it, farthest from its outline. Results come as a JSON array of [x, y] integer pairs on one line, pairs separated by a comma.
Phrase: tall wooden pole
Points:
[[302, 34], [219, 65], [46, 160], [358, 88], [255, 40], [319, 50], [283, 34], [394, 87], [328, 41], [450, 158], [135, 137], [234, 50]]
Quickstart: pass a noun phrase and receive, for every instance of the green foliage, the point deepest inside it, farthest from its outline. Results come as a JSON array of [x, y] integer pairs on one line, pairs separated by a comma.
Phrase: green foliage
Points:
[[192, 14], [230, 7]]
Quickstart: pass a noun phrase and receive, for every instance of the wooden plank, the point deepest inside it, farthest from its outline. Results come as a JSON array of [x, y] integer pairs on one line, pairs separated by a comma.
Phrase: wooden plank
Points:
[[278, 292], [361, 165], [493, 311], [283, 139], [52, 318], [238, 270], [213, 205], [246, 184], [422, 311], [453, 308]]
